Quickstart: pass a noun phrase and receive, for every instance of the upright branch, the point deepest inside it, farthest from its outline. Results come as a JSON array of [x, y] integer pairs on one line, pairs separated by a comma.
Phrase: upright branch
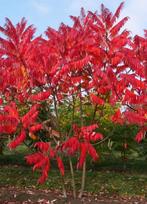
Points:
[[58, 124], [70, 160], [84, 165]]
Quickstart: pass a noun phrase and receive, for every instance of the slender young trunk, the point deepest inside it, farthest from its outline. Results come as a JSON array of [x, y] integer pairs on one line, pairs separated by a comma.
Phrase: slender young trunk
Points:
[[70, 161], [58, 124], [84, 165], [83, 180], [72, 178], [63, 187]]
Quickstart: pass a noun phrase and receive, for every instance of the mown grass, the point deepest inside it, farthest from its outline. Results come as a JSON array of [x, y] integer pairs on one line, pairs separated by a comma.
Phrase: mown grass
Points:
[[106, 177], [103, 182]]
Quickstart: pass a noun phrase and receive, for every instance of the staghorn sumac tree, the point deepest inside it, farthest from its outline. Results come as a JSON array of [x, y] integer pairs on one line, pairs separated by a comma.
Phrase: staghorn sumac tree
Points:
[[91, 63]]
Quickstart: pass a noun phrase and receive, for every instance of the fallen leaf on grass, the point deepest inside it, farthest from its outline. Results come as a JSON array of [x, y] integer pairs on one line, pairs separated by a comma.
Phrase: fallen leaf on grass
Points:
[[30, 192]]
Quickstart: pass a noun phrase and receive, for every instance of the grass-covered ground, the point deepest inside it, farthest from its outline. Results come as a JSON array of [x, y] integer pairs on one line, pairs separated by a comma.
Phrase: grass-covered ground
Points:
[[106, 178], [101, 182]]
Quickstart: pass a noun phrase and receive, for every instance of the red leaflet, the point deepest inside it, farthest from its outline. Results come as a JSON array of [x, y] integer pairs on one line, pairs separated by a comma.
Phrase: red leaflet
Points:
[[96, 136], [44, 176], [92, 152], [79, 64], [21, 98], [34, 158], [1, 101], [96, 100], [12, 110], [72, 145], [129, 97], [40, 96], [52, 153], [95, 51], [9, 121], [60, 165], [87, 132], [117, 117], [117, 13], [30, 116], [114, 31], [43, 146], [135, 118], [40, 164], [104, 90], [84, 149], [18, 140], [76, 80], [140, 136], [31, 120], [117, 59], [45, 171], [89, 128], [59, 97], [35, 128], [8, 124]]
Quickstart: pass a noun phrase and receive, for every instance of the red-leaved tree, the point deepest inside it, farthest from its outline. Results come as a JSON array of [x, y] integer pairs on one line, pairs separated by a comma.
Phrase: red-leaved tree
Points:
[[92, 62]]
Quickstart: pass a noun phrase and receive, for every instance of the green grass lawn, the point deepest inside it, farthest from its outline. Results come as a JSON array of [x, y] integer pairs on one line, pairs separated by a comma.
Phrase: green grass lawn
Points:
[[106, 177], [106, 182]]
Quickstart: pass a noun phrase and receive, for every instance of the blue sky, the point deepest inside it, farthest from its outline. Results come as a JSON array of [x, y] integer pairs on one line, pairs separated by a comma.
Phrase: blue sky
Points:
[[44, 13]]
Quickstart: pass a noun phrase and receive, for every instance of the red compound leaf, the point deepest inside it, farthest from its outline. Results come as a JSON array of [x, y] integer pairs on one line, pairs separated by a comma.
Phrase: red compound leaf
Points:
[[60, 165], [18, 140]]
